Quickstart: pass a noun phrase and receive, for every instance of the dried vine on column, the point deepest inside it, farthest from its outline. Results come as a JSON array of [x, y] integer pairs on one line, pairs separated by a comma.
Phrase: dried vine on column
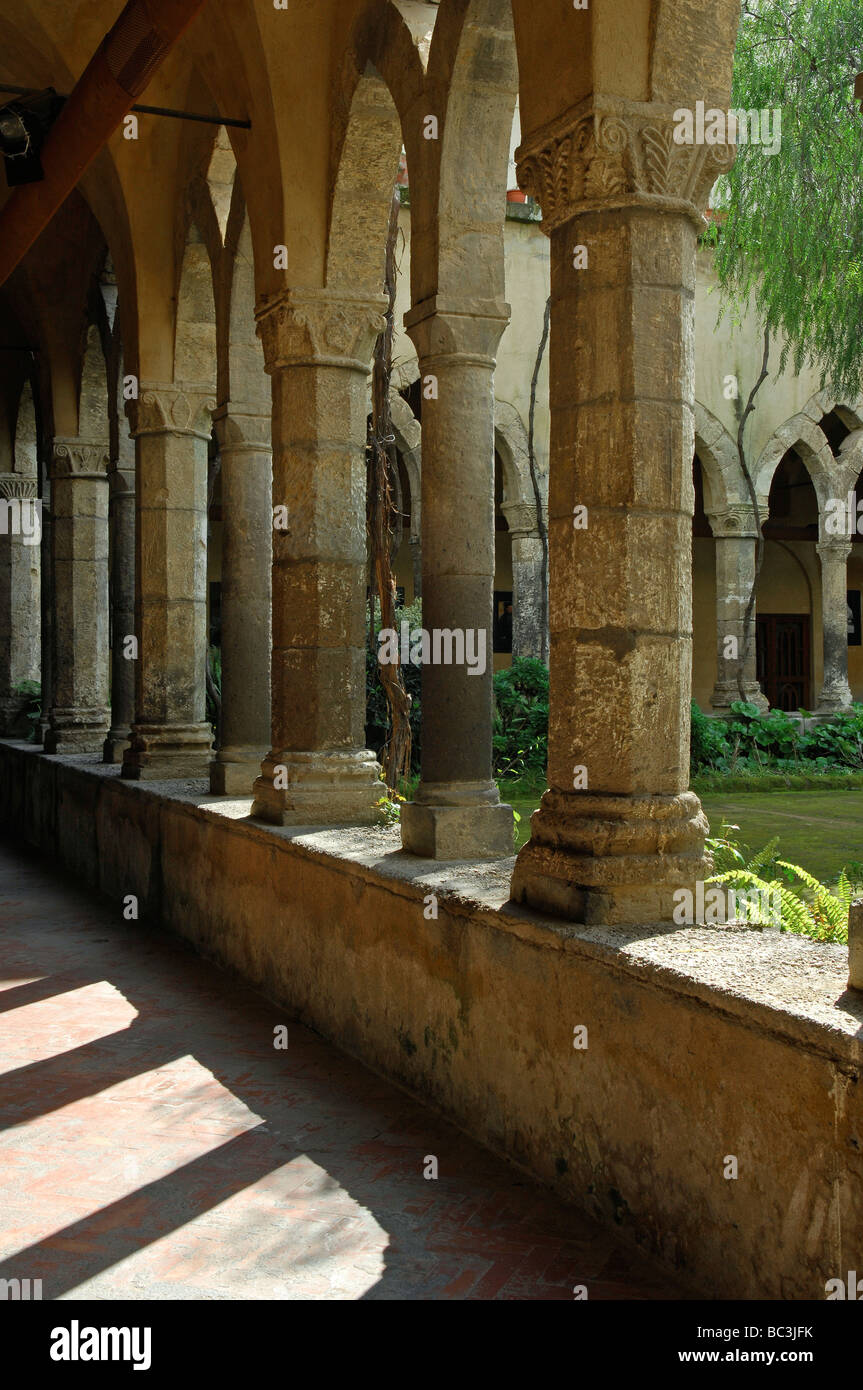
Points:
[[381, 518]]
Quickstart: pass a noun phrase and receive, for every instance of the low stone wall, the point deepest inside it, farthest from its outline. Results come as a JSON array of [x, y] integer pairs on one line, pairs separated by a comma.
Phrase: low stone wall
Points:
[[702, 1044]]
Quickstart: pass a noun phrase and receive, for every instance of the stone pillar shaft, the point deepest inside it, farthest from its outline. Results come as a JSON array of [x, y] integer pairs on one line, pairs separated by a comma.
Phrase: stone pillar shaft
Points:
[[170, 736], [247, 556], [20, 617], [456, 813], [47, 609], [317, 350], [735, 572], [835, 690], [528, 638], [617, 832], [122, 561], [78, 720]]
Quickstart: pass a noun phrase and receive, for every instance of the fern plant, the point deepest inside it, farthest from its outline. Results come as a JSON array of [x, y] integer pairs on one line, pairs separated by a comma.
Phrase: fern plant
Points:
[[807, 906]]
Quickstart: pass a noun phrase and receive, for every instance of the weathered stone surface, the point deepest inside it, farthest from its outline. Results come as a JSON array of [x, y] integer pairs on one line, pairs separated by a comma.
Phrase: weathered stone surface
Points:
[[835, 691], [170, 736], [700, 1042], [317, 348], [247, 555], [79, 715], [122, 583], [734, 534], [615, 834], [20, 618], [457, 347], [855, 945], [457, 832]]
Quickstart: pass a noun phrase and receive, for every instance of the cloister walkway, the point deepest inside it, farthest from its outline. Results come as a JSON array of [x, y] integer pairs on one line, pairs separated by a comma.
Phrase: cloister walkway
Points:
[[156, 1145]]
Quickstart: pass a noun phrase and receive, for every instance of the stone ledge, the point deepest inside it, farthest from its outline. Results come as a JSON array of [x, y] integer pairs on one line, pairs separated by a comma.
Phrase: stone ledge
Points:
[[702, 1043], [782, 983]]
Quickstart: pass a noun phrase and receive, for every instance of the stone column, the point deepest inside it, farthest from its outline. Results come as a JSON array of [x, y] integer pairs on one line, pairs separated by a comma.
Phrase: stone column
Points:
[[457, 812], [170, 736], [247, 556], [835, 691], [78, 719], [121, 482], [317, 349], [734, 534], [527, 628], [20, 617], [46, 679], [617, 832]]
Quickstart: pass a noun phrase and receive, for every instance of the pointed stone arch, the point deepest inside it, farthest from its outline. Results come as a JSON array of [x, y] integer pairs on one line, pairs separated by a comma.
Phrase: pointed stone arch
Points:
[[26, 441], [803, 435], [366, 168]]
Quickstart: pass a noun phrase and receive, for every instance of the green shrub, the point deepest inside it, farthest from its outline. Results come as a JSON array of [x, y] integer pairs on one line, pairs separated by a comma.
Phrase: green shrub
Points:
[[751, 743], [520, 730]]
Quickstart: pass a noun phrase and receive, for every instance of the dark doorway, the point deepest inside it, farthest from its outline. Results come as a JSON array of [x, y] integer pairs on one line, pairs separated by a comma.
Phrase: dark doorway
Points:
[[782, 655]]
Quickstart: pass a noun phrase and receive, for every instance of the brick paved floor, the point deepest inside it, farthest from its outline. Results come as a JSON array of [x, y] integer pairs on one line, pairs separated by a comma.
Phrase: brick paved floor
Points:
[[153, 1144]]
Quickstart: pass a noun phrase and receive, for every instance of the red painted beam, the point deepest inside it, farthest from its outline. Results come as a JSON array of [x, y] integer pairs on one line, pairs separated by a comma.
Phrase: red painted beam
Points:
[[116, 75]]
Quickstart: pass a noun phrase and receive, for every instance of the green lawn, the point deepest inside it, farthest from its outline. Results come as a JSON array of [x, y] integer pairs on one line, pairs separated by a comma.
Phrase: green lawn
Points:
[[820, 830]]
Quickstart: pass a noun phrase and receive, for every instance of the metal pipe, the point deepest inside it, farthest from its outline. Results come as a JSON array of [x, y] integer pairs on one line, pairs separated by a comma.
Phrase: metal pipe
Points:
[[117, 73], [150, 110]]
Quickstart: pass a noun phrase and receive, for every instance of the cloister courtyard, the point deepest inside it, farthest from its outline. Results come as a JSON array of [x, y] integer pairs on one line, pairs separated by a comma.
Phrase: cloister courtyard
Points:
[[415, 596]]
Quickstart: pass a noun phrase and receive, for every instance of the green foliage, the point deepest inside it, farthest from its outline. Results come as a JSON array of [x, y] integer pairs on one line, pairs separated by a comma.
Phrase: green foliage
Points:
[[31, 708], [390, 805], [792, 239], [753, 742], [807, 906], [520, 731], [708, 741]]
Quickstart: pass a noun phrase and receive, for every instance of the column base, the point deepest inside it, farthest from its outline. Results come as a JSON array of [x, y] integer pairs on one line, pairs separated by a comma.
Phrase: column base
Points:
[[76, 730], [457, 832], [724, 695], [612, 860], [166, 752], [319, 788], [833, 698], [234, 771], [115, 745]]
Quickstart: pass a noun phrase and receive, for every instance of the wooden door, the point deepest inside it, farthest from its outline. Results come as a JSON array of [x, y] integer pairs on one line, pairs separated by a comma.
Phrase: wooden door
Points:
[[782, 657]]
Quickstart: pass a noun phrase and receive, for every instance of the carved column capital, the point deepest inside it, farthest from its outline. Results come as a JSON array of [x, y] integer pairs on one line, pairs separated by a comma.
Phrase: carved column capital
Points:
[[79, 458], [520, 518], [171, 409], [733, 522], [16, 485], [320, 328], [468, 332], [240, 428], [609, 153]]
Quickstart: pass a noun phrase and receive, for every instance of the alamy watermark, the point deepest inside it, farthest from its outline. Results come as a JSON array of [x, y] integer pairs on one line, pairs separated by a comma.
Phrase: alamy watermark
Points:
[[713, 906], [443, 646], [713, 126], [21, 516], [843, 516]]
